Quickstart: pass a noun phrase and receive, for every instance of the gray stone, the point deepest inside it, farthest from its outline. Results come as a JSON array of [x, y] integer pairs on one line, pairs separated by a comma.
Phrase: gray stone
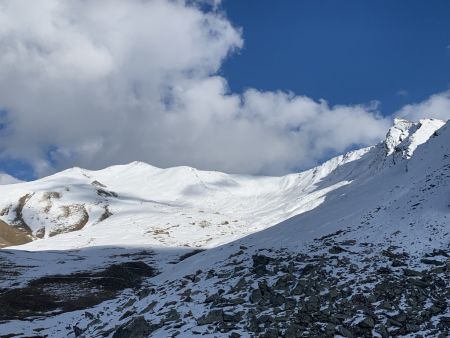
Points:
[[138, 327], [277, 299], [77, 331], [412, 273], [232, 317], [172, 315], [259, 260], [418, 282], [271, 333], [410, 327], [343, 331], [330, 328], [382, 330], [240, 285], [445, 321], [336, 250], [432, 262], [214, 316], [292, 331], [367, 322], [255, 296]]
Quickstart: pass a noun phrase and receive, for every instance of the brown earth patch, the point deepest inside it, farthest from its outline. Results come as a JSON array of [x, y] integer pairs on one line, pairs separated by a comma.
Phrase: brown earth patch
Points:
[[5, 210], [98, 184], [106, 214], [12, 236], [68, 211], [40, 233], [18, 221]]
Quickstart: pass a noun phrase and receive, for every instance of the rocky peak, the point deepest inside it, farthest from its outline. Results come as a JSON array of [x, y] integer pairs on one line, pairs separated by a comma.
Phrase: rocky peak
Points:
[[405, 136]]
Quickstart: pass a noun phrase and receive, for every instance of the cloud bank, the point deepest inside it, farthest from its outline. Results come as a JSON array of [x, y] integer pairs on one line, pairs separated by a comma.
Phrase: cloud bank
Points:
[[8, 179], [95, 83], [436, 106]]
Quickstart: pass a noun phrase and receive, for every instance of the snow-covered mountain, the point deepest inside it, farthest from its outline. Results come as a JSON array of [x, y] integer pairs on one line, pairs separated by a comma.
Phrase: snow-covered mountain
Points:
[[356, 247]]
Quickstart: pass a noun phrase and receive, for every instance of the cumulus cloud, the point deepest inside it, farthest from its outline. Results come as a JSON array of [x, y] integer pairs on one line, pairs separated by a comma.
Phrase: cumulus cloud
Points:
[[8, 179], [93, 83], [436, 106]]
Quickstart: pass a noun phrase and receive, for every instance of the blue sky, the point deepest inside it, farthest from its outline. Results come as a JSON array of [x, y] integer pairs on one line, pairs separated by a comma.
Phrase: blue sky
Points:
[[252, 87], [347, 52]]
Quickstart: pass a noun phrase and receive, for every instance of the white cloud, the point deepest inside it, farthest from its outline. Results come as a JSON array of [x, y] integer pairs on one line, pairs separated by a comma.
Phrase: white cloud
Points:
[[436, 106], [402, 92], [93, 83], [8, 179]]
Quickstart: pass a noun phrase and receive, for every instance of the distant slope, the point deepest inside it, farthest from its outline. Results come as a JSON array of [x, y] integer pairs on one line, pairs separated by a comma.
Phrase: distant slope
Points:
[[170, 207]]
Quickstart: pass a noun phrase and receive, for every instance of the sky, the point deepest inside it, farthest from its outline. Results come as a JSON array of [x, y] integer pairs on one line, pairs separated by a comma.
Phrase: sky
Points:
[[347, 52], [251, 87]]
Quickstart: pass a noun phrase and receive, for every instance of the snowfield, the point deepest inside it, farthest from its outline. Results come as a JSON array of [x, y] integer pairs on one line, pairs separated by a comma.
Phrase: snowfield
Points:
[[171, 207], [320, 252]]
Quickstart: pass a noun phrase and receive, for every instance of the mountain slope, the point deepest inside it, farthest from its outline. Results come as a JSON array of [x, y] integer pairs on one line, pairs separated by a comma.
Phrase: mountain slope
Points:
[[166, 207], [361, 249]]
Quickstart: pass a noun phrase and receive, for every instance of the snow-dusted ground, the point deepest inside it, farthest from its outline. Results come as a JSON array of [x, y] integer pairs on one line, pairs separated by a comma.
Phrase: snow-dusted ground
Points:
[[394, 195]]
